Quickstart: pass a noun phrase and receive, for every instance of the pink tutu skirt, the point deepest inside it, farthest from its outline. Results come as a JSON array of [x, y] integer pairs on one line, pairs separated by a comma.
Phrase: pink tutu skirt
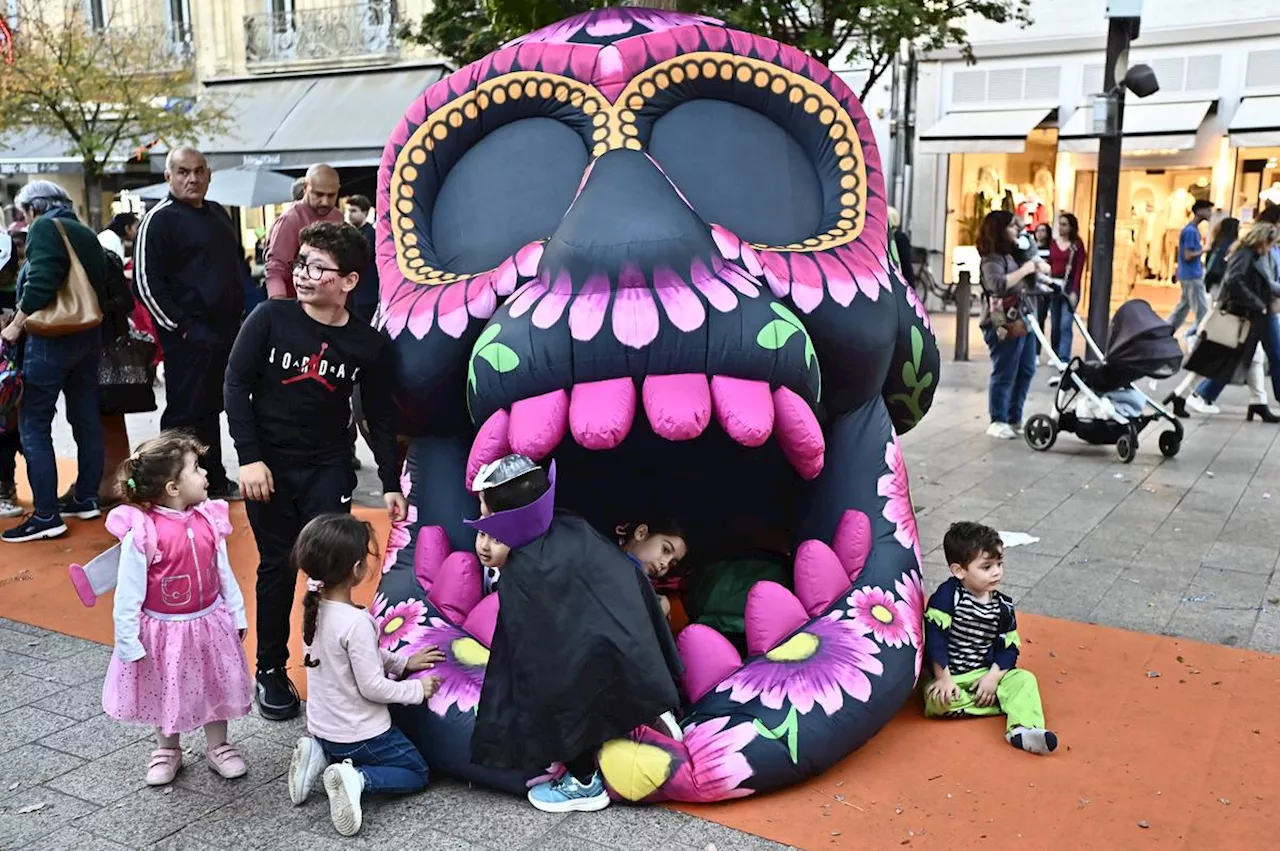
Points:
[[194, 673]]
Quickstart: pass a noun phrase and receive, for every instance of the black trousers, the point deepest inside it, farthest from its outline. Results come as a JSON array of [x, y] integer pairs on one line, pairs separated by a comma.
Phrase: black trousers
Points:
[[10, 446], [194, 369], [302, 494]]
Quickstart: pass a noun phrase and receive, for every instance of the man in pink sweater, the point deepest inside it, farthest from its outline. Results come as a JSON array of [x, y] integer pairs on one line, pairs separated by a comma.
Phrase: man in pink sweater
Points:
[[319, 204]]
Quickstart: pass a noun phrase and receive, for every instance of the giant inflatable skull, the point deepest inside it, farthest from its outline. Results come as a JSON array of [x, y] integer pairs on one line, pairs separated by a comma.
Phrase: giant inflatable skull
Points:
[[658, 249]]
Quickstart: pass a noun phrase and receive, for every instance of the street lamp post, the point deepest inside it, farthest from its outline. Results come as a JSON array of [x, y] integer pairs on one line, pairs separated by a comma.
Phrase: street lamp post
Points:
[[1108, 116]]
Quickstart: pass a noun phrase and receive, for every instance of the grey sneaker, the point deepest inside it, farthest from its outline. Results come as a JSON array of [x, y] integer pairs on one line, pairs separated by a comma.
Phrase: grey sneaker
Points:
[[9, 508]]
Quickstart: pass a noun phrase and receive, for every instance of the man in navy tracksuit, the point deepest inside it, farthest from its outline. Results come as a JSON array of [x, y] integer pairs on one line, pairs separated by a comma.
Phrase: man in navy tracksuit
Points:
[[187, 271]]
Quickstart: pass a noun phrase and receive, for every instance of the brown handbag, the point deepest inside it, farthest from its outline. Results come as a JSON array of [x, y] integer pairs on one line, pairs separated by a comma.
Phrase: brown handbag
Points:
[[74, 308]]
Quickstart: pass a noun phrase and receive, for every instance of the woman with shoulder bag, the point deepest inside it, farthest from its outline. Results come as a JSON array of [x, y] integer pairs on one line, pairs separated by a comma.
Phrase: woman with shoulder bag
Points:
[[1013, 353], [1066, 261], [60, 316], [1250, 286]]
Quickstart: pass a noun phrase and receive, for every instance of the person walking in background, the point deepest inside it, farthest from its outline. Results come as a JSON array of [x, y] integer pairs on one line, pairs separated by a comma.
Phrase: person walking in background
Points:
[[187, 271], [122, 227], [1067, 258], [53, 365], [319, 204], [10, 442], [1191, 270], [1013, 353], [363, 302], [1225, 236]]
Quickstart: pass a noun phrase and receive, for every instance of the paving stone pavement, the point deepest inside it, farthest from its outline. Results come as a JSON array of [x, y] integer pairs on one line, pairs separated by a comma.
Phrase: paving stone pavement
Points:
[[1186, 547]]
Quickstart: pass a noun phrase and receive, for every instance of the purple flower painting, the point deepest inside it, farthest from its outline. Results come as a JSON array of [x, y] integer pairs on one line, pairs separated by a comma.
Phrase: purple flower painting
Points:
[[876, 613]]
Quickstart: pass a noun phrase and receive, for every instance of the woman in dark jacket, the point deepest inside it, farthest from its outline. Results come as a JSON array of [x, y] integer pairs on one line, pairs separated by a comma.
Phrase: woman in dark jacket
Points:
[[1013, 358], [1250, 285], [56, 365]]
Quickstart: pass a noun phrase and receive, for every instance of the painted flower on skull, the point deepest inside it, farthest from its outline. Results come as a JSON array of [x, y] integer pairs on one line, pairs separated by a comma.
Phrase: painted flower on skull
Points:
[[400, 535], [911, 612], [896, 490], [399, 624], [717, 753], [877, 614], [820, 664], [461, 673]]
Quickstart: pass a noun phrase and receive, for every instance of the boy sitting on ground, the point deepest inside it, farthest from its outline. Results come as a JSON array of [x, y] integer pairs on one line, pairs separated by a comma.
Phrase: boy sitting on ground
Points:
[[971, 643]]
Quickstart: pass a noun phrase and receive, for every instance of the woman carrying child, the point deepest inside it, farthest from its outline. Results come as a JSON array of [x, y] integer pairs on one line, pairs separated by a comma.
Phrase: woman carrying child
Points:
[[179, 616], [350, 681]]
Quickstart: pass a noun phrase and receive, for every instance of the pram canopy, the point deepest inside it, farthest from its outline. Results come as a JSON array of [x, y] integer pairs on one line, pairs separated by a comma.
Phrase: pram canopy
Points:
[[1140, 345]]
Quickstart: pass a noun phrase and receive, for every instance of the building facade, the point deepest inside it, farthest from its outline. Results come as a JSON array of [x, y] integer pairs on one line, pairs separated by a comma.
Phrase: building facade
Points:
[[1015, 130]]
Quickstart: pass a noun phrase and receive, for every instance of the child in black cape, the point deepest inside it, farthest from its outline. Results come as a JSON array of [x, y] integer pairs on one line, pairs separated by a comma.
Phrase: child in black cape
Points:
[[581, 654]]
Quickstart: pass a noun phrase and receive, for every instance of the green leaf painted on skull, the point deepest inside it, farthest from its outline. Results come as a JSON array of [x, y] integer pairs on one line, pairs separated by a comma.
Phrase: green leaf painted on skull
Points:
[[917, 345], [916, 382], [909, 374], [498, 355], [893, 250], [789, 730], [775, 334]]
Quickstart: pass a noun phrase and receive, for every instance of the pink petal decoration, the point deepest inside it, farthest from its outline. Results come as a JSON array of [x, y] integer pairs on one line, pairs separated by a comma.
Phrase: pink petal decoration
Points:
[[730, 246], [712, 288], [423, 312], [806, 283], [678, 406], [483, 620], [454, 323], [733, 275], [840, 282], [551, 308], [539, 424], [525, 297], [635, 316], [751, 261], [798, 434], [771, 615], [743, 408], [505, 278], [395, 316], [601, 412], [458, 586], [429, 553], [777, 273], [586, 315], [708, 658], [482, 301], [610, 67], [492, 442], [853, 542], [820, 578], [683, 308], [528, 258]]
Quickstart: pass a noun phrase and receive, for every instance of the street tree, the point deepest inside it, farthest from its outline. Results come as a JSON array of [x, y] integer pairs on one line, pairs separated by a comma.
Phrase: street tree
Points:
[[865, 34], [107, 91]]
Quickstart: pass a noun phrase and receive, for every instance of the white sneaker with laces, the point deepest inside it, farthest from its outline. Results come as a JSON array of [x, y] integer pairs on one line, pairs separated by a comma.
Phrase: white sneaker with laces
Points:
[[9, 509], [306, 766], [1001, 431], [1200, 406], [344, 785]]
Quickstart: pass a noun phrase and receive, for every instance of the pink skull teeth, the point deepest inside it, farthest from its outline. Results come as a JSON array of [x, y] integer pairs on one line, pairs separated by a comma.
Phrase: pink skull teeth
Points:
[[600, 414]]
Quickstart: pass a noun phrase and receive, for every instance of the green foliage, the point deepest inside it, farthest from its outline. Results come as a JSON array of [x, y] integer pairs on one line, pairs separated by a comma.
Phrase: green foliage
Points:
[[868, 32]]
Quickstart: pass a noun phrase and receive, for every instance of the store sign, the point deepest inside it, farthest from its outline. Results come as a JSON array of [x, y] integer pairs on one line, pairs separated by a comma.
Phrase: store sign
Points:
[[33, 168], [259, 160]]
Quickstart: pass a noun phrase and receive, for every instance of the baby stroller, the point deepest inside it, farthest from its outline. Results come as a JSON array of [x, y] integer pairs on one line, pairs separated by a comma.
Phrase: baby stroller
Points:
[[1097, 400]]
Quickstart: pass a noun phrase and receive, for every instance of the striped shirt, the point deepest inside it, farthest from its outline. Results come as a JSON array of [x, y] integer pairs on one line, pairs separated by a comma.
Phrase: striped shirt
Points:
[[974, 628]]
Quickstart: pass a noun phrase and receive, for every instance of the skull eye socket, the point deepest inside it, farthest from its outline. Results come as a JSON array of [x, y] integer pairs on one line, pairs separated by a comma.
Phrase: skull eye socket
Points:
[[740, 169], [510, 188]]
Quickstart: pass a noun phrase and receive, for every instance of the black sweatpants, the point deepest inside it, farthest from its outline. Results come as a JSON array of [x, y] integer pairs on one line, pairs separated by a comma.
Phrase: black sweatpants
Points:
[[194, 370], [302, 494], [10, 446]]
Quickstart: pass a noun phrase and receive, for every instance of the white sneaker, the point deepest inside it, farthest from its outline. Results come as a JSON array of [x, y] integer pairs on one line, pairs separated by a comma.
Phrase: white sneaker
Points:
[[344, 785], [666, 723], [9, 509], [1001, 431], [306, 766], [1200, 406]]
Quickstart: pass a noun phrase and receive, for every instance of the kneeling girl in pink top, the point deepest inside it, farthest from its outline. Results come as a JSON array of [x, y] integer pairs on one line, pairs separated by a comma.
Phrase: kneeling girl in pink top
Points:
[[350, 681]]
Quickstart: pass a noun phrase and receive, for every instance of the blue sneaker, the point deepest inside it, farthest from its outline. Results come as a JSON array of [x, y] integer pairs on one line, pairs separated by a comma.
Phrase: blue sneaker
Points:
[[34, 528], [567, 795], [81, 509]]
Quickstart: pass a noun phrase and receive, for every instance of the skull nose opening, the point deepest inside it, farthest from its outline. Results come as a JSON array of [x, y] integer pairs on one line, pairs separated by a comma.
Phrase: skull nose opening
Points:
[[626, 214]]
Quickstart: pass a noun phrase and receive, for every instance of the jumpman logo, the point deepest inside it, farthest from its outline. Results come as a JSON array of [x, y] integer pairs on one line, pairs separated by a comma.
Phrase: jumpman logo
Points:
[[313, 370]]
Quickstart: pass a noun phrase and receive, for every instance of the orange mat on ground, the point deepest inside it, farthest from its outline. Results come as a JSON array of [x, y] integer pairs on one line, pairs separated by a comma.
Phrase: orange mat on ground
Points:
[[1189, 759]]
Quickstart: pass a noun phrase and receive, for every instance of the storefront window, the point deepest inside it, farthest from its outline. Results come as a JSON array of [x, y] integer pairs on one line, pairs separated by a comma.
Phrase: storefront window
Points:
[[1257, 182], [977, 184]]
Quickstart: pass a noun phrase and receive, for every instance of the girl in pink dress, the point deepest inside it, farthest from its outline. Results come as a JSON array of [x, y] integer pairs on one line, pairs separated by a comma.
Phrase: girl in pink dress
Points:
[[179, 616]]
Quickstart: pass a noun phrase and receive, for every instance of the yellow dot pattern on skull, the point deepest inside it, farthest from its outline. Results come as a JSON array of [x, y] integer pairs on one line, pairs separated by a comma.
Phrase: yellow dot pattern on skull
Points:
[[614, 126]]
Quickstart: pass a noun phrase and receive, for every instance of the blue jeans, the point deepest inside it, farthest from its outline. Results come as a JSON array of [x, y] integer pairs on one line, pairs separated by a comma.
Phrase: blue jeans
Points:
[[53, 365], [389, 763], [1270, 342], [1013, 365], [1194, 298]]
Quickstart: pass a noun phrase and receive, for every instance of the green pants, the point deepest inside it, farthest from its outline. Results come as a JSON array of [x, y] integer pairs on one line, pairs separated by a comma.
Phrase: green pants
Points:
[[1017, 698]]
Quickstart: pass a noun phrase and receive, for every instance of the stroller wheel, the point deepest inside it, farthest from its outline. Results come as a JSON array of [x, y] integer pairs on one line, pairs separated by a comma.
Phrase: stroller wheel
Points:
[[1170, 443], [1127, 445], [1040, 432]]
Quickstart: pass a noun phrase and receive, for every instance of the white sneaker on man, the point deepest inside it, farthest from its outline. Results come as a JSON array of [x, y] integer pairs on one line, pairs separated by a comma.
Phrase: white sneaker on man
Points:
[[1001, 431], [1200, 406]]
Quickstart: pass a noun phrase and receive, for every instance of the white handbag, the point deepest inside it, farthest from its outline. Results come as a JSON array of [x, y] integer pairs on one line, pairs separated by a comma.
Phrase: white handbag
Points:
[[1225, 329]]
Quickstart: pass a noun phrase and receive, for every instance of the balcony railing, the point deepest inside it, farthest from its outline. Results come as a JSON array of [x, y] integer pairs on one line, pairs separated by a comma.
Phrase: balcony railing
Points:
[[359, 29]]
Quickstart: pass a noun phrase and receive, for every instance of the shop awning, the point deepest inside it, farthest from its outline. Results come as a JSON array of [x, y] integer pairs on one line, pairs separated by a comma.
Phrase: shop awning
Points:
[[38, 152], [994, 132], [1256, 123], [1147, 127], [297, 122]]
